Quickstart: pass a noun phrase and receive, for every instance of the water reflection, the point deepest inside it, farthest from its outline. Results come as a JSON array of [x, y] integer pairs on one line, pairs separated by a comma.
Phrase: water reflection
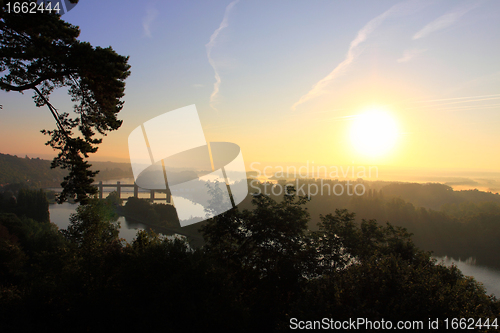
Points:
[[59, 215], [489, 277]]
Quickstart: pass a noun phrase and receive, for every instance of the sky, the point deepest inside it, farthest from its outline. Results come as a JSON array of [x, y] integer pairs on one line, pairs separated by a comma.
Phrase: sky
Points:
[[289, 81]]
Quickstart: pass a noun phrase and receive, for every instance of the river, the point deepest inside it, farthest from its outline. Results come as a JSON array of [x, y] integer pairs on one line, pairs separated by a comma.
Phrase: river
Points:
[[488, 276], [59, 214]]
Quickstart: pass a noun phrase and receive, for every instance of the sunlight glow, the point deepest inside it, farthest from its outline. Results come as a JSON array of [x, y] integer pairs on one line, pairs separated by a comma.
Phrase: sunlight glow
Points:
[[374, 133]]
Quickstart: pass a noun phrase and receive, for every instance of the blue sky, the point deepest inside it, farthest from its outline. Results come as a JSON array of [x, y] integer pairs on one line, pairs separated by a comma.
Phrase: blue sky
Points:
[[295, 74]]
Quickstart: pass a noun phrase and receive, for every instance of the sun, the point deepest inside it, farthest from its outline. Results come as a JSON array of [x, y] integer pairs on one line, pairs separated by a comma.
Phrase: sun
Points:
[[374, 133]]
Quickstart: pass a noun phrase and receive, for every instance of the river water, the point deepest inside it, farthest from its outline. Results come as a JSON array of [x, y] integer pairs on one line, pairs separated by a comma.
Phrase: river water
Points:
[[488, 276], [59, 214]]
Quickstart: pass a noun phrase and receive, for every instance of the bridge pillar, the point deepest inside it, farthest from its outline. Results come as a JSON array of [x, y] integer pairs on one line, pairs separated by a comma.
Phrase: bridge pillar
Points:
[[100, 189]]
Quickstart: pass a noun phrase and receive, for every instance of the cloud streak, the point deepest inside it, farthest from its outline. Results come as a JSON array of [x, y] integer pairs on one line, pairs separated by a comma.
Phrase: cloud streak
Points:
[[320, 87], [451, 103], [209, 46], [410, 54], [148, 20], [444, 21]]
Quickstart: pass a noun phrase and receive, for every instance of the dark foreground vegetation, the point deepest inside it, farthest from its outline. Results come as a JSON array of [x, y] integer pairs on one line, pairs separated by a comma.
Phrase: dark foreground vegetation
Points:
[[258, 269], [459, 224]]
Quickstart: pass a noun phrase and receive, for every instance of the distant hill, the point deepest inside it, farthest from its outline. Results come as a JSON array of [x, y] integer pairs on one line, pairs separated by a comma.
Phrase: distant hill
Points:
[[36, 171], [112, 170], [435, 195]]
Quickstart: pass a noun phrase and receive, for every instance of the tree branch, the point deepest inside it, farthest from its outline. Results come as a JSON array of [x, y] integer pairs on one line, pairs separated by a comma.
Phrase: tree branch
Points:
[[53, 110], [34, 84]]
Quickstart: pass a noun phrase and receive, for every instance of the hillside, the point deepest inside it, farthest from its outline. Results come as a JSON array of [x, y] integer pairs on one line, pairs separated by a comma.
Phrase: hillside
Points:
[[37, 172]]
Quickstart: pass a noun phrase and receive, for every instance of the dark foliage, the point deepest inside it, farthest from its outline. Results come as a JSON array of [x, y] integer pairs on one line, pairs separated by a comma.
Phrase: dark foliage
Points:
[[466, 224], [26, 202], [259, 269], [151, 213]]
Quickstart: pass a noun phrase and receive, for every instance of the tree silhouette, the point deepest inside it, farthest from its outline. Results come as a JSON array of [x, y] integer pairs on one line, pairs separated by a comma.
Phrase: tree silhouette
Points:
[[266, 249], [40, 52]]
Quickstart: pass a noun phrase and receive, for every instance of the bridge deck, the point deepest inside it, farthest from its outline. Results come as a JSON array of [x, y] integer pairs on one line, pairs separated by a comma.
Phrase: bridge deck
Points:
[[100, 186]]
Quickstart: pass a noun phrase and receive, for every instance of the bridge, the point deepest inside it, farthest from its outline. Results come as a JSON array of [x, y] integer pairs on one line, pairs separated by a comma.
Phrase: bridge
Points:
[[100, 186]]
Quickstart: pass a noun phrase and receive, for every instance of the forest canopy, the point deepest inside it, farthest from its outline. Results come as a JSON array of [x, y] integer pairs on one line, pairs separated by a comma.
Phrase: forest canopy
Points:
[[258, 270]]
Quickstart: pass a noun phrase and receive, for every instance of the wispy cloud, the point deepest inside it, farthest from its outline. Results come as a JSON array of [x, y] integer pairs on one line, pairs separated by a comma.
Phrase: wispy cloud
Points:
[[147, 21], [410, 54], [459, 103], [445, 20], [209, 46], [320, 87], [467, 99]]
